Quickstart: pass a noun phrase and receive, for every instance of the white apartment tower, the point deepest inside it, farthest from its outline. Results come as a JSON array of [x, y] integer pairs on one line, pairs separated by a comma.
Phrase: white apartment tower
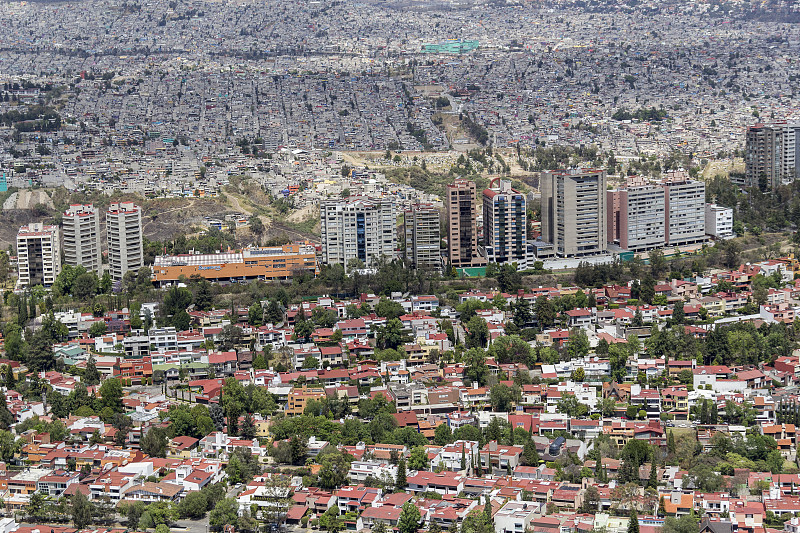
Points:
[[38, 255], [636, 215], [719, 221], [684, 203], [81, 229], [124, 230], [574, 211], [358, 228]]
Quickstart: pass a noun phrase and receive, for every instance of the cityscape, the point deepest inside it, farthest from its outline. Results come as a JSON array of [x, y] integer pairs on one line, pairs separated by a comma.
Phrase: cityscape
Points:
[[399, 266]]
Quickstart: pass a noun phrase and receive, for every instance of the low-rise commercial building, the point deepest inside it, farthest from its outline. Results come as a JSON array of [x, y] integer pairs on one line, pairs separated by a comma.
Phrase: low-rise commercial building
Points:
[[278, 263]]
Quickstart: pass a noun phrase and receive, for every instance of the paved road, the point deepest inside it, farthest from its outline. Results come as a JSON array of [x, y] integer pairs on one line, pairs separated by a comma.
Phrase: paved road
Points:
[[191, 526]]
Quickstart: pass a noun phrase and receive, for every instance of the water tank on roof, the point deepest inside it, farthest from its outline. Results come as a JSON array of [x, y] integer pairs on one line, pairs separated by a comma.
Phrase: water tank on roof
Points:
[[555, 446]]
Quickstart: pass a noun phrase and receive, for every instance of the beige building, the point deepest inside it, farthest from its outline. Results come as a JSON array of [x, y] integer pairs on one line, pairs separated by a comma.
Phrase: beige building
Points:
[[38, 255], [423, 238], [359, 228], [574, 211], [124, 230], [462, 222], [81, 228]]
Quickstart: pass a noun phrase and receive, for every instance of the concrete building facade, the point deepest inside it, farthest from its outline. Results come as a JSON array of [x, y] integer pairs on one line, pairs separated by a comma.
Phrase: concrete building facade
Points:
[[772, 154], [504, 224], [635, 218], [684, 213], [124, 232], [719, 221], [574, 211], [423, 237], [462, 225], [81, 230], [358, 228], [38, 255]]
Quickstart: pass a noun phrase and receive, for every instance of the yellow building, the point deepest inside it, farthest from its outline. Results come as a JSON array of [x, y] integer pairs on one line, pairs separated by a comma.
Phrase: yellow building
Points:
[[299, 398]]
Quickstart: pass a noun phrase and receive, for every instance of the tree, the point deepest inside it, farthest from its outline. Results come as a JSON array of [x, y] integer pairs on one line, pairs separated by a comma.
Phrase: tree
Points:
[[202, 296], [176, 299], [105, 284], [133, 512], [248, 430], [274, 312], [230, 337], [591, 499], [652, 481], [334, 468], [98, 329], [684, 524], [303, 328], [154, 442], [390, 336], [469, 433], [678, 315], [657, 262], [330, 520], [242, 465], [111, 393], [6, 418], [40, 351], [389, 309], [310, 362], [91, 376], [409, 518], [633, 522], [36, 507], [298, 450], [82, 510], [502, 397], [324, 318], [477, 522], [578, 343], [85, 286], [476, 370], [608, 406], [123, 425], [443, 434], [545, 312], [530, 455], [477, 332], [181, 320], [418, 459], [400, 481], [569, 405], [255, 315], [256, 226], [225, 512], [9, 446]]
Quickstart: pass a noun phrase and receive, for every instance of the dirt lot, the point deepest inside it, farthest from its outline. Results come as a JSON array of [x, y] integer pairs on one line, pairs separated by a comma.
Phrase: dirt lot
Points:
[[162, 218]]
